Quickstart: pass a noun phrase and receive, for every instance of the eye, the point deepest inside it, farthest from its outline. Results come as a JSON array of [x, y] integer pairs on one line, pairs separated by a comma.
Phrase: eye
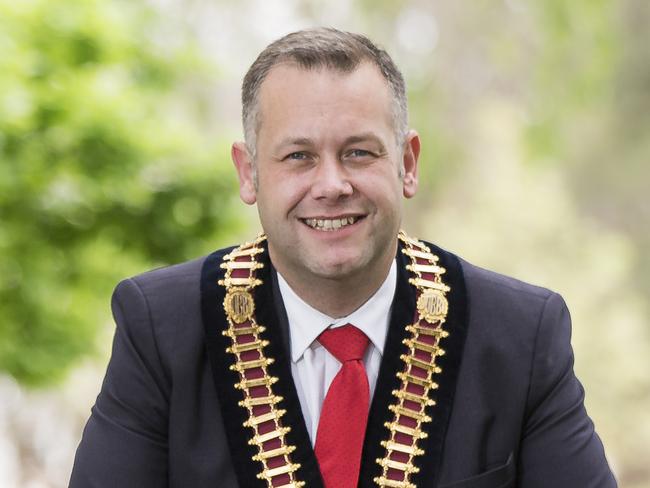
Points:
[[359, 154], [298, 155]]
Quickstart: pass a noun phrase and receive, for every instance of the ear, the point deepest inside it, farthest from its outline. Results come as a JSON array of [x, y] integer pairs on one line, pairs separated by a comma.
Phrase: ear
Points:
[[244, 166], [410, 161]]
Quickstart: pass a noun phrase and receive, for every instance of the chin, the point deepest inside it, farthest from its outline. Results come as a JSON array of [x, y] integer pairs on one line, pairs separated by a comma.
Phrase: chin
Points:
[[338, 269]]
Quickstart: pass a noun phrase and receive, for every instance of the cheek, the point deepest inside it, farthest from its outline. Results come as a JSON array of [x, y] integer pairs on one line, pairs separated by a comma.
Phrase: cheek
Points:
[[384, 186], [279, 193]]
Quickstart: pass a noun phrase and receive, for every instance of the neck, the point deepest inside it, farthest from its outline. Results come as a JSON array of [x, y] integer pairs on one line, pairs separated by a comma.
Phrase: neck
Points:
[[342, 295]]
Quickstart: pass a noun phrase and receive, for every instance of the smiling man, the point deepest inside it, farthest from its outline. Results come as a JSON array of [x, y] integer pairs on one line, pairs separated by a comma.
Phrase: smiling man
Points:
[[334, 350], [328, 175]]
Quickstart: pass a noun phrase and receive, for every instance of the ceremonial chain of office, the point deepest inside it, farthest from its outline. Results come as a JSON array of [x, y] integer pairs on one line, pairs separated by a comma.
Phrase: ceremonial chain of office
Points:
[[412, 402]]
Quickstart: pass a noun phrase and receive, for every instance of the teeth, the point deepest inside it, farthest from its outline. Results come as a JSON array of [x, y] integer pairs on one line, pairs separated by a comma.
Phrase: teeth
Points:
[[329, 224]]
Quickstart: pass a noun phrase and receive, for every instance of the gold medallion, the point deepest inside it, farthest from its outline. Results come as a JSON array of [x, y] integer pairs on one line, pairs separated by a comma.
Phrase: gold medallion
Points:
[[432, 305], [239, 305]]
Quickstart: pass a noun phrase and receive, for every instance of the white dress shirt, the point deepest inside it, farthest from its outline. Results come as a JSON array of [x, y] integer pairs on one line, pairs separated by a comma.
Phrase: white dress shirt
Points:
[[312, 366]]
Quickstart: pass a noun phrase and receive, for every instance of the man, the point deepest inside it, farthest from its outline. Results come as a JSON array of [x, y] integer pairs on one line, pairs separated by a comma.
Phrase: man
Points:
[[336, 351]]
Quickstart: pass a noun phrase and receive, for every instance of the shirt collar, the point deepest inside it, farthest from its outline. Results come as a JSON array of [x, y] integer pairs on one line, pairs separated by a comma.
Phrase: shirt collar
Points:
[[306, 323]]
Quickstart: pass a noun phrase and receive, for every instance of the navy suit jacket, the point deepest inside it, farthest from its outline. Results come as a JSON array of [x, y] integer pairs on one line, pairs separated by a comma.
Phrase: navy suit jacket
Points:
[[509, 409]]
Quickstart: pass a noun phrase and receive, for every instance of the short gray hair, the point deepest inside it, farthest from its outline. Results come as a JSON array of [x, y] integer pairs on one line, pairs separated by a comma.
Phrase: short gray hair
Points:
[[320, 48]]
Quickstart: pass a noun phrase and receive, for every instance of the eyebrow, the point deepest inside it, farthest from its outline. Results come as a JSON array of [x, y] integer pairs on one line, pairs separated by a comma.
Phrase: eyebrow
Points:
[[295, 141], [354, 139], [364, 137]]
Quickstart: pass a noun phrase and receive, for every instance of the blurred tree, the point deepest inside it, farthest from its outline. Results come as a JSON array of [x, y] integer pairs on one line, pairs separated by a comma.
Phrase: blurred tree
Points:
[[594, 118], [103, 170]]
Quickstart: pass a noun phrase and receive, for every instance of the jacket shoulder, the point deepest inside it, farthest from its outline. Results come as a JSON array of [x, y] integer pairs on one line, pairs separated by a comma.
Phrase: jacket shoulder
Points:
[[164, 305], [479, 280], [179, 277], [501, 311]]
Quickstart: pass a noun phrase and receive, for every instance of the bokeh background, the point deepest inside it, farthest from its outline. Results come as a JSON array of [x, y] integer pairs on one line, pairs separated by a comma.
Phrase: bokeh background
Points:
[[116, 118]]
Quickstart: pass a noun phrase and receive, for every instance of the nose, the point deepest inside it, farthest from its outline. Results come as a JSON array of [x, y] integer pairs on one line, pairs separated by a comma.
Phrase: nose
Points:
[[331, 180]]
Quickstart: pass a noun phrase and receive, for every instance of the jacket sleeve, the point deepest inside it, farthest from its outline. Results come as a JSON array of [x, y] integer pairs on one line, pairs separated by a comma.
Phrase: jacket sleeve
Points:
[[125, 440], [560, 447]]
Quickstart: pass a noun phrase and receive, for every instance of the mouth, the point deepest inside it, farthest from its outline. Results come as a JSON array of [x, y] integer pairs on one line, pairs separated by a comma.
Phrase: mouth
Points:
[[329, 225]]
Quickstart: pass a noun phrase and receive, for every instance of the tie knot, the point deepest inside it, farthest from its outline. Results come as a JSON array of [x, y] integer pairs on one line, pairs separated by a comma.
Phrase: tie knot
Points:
[[345, 343]]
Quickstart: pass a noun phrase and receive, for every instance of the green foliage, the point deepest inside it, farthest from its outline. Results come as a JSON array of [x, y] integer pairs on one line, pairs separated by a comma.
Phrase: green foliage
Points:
[[574, 72], [101, 173]]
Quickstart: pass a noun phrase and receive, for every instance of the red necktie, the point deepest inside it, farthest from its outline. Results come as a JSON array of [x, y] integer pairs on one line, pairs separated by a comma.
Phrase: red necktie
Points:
[[342, 424]]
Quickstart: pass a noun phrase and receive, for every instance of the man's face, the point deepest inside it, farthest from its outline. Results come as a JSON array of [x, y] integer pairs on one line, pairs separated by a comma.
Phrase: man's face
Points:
[[329, 191]]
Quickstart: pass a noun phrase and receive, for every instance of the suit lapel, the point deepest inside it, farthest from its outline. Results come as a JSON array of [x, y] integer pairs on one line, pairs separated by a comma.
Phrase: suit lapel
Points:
[[402, 313], [214, 321], [387, 381]]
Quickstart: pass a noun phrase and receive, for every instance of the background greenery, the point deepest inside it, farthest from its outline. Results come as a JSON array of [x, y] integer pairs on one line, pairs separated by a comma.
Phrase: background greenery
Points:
[[115, 123], [103, 171]]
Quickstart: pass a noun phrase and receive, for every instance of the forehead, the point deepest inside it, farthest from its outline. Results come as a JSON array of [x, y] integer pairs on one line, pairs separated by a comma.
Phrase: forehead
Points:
[[291, 95]]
